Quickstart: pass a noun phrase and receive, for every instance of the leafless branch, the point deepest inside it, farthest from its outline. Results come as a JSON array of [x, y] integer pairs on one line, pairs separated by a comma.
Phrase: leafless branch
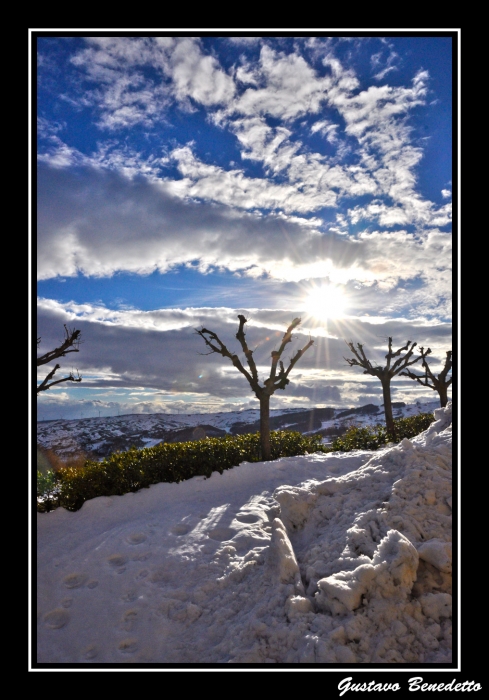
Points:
[[283, 375], [274, 381], [70, 344], [428, 379], [240, 335], [45, 385], [361, 360], [213, 341]]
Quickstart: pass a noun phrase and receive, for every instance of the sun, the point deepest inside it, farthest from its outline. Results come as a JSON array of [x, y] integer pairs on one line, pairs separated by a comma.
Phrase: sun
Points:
[[325, 302]]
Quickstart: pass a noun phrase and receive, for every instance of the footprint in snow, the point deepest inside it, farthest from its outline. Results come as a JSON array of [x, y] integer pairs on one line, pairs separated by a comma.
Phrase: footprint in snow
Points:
[[247, 518], [129, 620], [221, 534], [117, 560], [136, 538], [75, 580], [55, 619], [128, 646], [180, 529], [90, 652]]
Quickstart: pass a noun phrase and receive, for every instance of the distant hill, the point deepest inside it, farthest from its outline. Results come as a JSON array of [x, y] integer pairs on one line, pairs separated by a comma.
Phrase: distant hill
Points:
[[100, 437]]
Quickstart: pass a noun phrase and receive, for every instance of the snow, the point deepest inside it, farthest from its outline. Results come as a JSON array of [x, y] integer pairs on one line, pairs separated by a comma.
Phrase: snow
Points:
[[151, 442], [340, 558]]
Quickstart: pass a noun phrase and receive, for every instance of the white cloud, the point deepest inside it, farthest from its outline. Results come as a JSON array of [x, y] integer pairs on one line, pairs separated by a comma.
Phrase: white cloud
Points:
[[381, 74], [377, 61], [245, 74], [245, 40], [327, 129], [126, 95], [375, 108], [279, 85], [318, 181], [410, 209], [233, 187], [289, 87], [103, 223], [197, 76]]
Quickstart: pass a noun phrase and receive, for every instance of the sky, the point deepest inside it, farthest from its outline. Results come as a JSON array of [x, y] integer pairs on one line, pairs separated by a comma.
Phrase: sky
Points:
[[324, 561], [180, 180]]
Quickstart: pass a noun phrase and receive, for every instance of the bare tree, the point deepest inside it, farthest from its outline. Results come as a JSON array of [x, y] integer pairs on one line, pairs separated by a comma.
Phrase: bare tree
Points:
[[70, 344], [438, 383], [386, 373], [278, 378]]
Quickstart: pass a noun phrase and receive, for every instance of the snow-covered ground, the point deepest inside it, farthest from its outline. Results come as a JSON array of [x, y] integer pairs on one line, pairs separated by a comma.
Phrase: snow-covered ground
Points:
[[341, 559]]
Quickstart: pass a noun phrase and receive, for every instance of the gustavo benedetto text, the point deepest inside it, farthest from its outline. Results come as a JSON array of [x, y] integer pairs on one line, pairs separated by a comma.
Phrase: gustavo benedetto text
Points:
[[413, 684]]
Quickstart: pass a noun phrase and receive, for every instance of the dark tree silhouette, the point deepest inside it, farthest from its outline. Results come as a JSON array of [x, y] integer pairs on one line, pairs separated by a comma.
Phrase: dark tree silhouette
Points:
[[386, 373], [70, 344], [278, 378], [438, 383]]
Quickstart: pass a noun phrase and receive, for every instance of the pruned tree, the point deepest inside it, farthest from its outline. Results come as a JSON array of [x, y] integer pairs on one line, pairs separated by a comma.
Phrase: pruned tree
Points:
[[386, 373], [439, 382], [70, 344], [277, 379]]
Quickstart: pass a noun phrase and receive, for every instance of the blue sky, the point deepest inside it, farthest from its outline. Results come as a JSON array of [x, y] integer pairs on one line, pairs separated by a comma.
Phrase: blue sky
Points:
[[184, 179]]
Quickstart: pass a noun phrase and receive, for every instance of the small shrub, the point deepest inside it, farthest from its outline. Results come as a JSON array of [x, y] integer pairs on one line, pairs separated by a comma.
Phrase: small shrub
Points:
[[377, 436], [414, 425], [361, 439], [47, 490]]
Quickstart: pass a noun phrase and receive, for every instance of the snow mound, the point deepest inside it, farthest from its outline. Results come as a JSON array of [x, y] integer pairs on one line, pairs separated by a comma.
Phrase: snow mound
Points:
[[373, 548]]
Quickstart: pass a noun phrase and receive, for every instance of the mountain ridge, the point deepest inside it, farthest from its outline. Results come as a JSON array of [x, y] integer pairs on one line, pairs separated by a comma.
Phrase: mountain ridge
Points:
[[99, 437]]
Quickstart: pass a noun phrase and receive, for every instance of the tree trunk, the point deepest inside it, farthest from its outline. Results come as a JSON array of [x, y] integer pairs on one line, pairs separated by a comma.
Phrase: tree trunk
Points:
[[265, 448], [389, 418], [443, 391]]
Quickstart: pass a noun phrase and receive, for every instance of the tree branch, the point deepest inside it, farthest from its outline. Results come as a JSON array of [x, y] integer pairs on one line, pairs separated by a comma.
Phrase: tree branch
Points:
[[44, 386], [274, 381], [428, 376], [421, 379], [403, 362], [282, 376], [287, 337], [210, 338], [446, 369], [72, 340], [361, 360], [240, 335]]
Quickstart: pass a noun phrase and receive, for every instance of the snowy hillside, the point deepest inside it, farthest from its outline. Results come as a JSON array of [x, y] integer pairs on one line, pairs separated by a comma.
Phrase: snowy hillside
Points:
[[333, 559], [99, 437]]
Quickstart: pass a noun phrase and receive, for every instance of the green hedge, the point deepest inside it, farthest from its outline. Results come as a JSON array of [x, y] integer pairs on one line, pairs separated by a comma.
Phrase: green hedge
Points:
[[135, 469], [375, 437]]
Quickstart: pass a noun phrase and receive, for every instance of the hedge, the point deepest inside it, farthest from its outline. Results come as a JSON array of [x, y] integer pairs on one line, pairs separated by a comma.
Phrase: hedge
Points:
[[135, 469]]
